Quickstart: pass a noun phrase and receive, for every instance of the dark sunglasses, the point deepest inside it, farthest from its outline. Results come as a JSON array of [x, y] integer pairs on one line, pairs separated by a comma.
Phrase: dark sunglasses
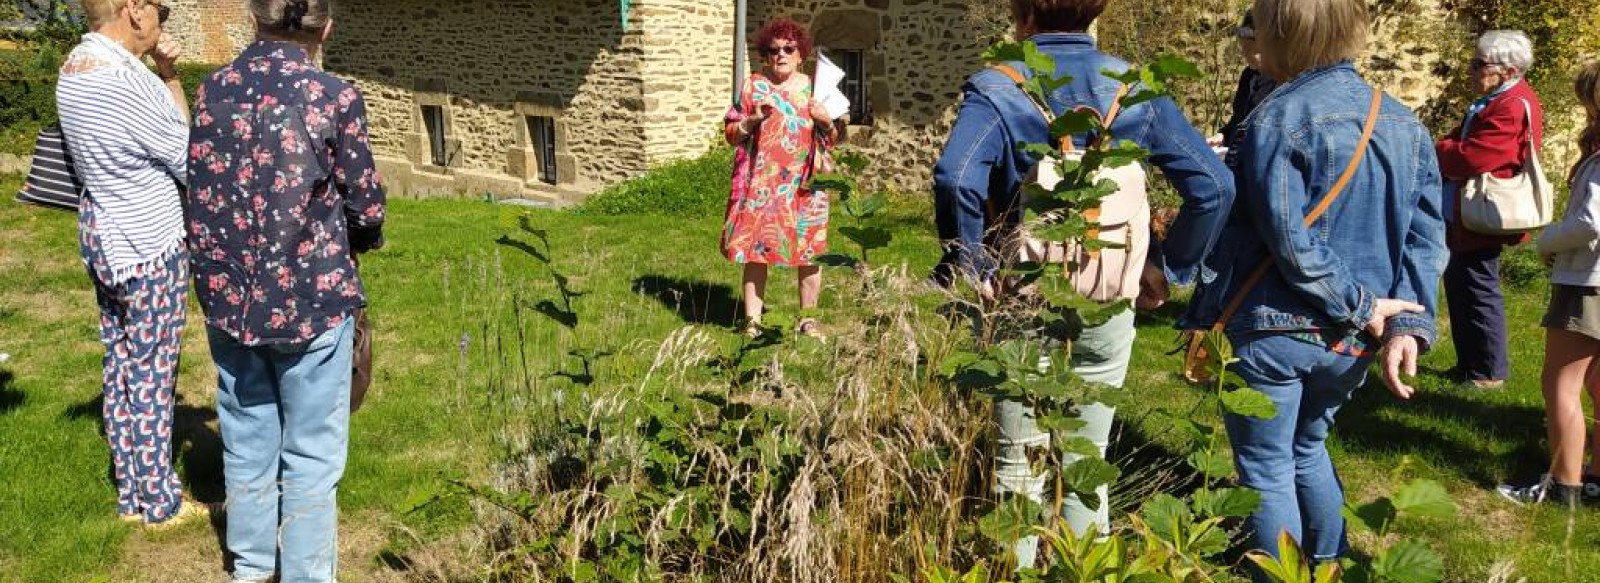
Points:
[[773, 51], [1477, 64], [163, 12]]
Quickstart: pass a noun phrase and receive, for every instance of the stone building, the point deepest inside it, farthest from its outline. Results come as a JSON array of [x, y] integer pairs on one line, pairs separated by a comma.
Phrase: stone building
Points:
[[554, 99]]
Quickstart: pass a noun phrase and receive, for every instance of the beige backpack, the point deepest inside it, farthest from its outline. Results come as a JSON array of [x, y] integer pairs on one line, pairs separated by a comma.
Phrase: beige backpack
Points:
[[1108, 274]]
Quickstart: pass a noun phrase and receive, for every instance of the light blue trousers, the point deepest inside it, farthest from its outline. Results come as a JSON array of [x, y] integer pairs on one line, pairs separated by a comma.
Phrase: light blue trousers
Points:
[[285, 416], [1100, 355]]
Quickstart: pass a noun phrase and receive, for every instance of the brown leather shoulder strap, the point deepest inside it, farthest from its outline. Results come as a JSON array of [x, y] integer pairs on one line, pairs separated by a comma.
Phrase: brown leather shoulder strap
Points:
[[1311, 217]]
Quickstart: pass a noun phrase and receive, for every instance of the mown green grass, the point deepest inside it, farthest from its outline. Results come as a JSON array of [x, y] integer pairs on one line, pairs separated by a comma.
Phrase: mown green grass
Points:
[[443, 294]]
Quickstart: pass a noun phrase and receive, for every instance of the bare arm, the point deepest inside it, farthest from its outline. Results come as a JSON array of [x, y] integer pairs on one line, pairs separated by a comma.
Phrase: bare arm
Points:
[[166, 57]]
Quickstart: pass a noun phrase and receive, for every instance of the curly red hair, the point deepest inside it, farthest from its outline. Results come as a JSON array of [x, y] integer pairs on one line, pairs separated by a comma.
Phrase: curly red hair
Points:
[[784, 29]]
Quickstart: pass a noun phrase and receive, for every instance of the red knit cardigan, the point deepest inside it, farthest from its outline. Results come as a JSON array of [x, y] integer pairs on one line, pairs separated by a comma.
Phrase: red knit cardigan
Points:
[[1492, 144]]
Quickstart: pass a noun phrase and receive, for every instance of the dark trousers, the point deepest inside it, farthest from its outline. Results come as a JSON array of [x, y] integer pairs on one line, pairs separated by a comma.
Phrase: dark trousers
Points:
[[1477, 314]]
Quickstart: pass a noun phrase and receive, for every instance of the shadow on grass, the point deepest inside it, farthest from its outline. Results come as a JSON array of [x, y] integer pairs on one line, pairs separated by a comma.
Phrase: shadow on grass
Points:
[[200, 449], [193, 439], [695, 301], [9, 398], [1448, 428]]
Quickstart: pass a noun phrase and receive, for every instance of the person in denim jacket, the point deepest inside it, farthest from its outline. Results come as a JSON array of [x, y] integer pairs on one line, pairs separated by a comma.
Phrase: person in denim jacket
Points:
[[1363, 278], [982, 168]]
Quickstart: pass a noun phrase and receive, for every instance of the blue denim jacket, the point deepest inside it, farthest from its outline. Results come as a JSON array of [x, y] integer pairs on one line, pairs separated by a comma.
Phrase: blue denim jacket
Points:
[[982, 165], [1382, 238]]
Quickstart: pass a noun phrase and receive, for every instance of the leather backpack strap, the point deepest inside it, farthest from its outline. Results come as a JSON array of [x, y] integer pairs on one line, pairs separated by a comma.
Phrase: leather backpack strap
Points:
[[1311, 217], [1016, 76]]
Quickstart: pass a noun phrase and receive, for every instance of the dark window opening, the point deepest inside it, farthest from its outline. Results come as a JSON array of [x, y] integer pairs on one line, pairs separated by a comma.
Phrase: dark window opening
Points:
[[433, 120], [855, 85], [542, 136]]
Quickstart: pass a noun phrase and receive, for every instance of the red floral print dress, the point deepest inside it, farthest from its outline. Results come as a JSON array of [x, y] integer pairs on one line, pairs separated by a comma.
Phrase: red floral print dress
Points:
[[772, 216]]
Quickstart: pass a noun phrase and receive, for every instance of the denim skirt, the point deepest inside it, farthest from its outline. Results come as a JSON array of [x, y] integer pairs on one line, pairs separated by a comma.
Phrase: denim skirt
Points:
[[1574, 308]]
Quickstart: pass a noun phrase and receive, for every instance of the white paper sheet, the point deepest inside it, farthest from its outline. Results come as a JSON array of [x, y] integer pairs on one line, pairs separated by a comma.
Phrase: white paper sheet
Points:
[[827, 91]]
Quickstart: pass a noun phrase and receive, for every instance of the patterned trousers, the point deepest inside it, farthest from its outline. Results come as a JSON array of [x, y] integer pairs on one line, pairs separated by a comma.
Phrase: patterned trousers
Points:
[[141, 324]]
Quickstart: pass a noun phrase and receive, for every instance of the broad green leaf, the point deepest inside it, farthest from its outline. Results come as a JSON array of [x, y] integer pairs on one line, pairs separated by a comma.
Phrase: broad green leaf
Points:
[[1127, 77], [1039, 61], [1003, 52], [1167, 517], [1375, 516], [1039, 151], [1078, 445], [1209, 538], [1086, 474], [1249, 403], [1172, 66], [1409, 561], [1010, 520], [1061, 423], [1234, 502], [1074, 122], [1424, 498], [1212, 464], [869, 206], [868, 237]]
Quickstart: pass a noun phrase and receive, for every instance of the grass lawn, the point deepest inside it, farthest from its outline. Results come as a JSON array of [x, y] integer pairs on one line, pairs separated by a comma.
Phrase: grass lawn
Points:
[[464, 302]]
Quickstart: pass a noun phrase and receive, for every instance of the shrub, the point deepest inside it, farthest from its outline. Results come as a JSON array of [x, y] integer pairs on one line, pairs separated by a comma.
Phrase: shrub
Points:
[[28, 94], [687, 188], [1521, 268]]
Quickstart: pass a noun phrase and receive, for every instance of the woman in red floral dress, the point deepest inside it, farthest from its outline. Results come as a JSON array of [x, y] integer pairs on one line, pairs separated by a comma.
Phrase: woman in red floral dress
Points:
[[780, 134]]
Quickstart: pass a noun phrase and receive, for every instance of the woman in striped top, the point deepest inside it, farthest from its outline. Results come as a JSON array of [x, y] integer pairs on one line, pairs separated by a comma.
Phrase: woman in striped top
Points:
[[126, 129]]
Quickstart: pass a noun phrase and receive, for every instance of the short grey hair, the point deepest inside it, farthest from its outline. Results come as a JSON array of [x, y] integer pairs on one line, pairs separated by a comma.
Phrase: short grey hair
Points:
[[1507, 47]]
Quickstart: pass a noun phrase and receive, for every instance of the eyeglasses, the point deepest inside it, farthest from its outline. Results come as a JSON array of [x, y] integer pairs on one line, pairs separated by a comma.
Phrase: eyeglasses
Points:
[[785, 49], [163, 12], [1477, 64]]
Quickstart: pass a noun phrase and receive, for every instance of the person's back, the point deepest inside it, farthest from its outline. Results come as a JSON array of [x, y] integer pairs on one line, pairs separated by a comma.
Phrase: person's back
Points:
[[1297, 145], [1177, 149], [976, 184], [271, 159]]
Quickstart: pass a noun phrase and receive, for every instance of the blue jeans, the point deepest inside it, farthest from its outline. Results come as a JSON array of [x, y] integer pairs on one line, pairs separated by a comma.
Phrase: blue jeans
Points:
[[1100, 355], [285, 416], [1285, 458]]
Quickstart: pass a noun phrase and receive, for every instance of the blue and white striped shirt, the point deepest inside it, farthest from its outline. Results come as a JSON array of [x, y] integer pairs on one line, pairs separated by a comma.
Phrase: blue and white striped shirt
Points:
[[129, 143]]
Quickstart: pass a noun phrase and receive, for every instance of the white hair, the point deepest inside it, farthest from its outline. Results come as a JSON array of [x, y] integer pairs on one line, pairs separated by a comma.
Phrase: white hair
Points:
[[1510, 48]]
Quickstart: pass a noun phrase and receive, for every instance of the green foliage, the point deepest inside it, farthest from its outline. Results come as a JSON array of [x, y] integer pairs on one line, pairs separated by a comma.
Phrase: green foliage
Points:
[[1521, 268], [685, 189], [28, 94]]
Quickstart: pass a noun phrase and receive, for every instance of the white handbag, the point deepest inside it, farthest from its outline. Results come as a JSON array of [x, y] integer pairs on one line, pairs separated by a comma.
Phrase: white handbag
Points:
[[1510, 206]]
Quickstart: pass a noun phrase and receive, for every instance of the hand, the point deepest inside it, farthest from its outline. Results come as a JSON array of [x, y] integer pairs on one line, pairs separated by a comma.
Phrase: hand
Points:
[[1400, 357], [1214, 141], [752, 122], [1153, 290], [166, 55], [1383, 309], [820, 114]]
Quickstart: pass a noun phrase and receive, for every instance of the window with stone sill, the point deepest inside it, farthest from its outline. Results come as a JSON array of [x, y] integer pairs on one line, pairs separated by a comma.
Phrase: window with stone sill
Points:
[[433, 124], [542, 139], [855, 86]]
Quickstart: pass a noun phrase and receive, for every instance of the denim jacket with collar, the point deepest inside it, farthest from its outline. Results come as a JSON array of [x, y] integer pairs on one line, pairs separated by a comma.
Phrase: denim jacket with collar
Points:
[[1382, 238], [982, 168]]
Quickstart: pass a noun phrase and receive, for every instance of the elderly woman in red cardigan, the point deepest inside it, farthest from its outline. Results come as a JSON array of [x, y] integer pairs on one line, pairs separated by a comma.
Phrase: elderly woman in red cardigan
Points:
[[1490, 139]]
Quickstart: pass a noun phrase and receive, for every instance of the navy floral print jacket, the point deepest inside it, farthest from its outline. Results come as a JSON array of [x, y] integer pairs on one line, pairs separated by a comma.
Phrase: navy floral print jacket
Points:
[[282, 193]]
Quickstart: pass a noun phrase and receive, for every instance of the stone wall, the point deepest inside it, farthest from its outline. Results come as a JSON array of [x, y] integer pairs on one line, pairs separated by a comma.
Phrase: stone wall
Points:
[[212, 31], [626, 102], [489, 64], [918, 53]]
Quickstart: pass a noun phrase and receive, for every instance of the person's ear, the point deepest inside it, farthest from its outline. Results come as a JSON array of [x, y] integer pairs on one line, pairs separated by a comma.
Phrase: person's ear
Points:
[[131, 8]]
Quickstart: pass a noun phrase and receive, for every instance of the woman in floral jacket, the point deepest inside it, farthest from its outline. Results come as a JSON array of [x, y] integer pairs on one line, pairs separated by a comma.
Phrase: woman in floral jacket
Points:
[[282, 194]]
